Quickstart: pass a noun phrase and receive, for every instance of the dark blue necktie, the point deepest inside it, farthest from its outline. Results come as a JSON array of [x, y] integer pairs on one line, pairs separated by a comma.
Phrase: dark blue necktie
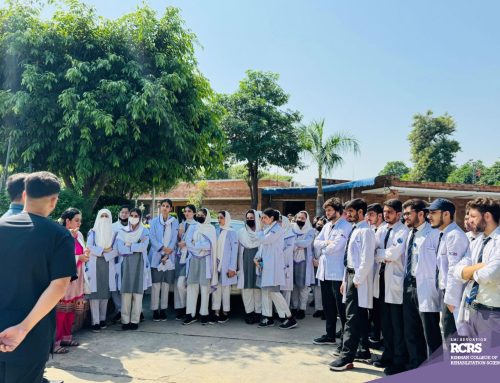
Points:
[[347, 245], [475, 285], [409, 256], [386, 239]]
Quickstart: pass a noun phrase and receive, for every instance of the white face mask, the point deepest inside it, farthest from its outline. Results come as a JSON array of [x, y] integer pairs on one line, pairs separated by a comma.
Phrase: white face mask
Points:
[[133, 220]]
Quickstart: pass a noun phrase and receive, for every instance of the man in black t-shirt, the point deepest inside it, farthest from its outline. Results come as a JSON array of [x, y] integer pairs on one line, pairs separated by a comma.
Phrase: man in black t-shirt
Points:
[[36, 264]]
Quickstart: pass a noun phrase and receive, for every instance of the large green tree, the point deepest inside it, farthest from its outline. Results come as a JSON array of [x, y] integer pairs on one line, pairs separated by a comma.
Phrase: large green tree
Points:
[[105, 102], [469, 173], [326, 152], [491, 175], [432, 149], [260, 131], [396, 169]]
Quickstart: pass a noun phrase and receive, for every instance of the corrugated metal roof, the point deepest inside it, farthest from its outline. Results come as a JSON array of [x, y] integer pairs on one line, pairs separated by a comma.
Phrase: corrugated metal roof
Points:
[[313, 189]]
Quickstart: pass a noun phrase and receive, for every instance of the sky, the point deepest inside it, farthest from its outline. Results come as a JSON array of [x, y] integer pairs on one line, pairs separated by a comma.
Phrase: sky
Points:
[[365, 66]]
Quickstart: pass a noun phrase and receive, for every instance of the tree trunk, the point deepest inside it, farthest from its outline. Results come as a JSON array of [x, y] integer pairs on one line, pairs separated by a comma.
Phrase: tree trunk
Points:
[[92, 194], [253, 173], [320, 198]]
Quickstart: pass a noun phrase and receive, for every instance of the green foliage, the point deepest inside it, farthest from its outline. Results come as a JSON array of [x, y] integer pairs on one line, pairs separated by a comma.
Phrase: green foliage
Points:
[[196, 198], [469, 173], [260, 132], [4, 203], [491, 175], [96, 100], [115, 211], [432, 150], [70, 198], [396, 169]]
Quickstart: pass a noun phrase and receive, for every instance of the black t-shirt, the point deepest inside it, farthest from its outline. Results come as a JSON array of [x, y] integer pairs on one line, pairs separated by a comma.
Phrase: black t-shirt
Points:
[[33, 252]]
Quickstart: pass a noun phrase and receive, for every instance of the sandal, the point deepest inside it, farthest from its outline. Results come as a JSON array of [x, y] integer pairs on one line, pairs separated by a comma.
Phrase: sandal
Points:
[[61, 350], [71, 343]]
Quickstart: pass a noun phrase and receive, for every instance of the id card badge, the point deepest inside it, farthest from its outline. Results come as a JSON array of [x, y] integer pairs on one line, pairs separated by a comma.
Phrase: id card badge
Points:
[[466, 314]]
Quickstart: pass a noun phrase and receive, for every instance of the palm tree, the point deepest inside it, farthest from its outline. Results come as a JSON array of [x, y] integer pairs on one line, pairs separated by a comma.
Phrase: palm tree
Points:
[[326, 152]]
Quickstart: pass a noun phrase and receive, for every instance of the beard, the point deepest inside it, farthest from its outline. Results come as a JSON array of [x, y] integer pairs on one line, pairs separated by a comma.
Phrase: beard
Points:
[[480, 226]]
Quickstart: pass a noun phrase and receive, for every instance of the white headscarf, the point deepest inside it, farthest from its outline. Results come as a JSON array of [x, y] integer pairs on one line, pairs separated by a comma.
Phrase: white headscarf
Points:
[[287, 227], [222, 238], [103, 229], [307, 226], [247, 236], [207, 229]]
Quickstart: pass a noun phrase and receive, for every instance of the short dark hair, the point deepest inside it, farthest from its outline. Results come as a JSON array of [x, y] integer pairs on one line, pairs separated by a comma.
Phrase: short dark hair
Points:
[[395, 204], [416, 204], [205, 211], [191, 207], [222, 212], [271, 213], [125, 207], [136, 210], [375, 207], [356, 204], [69, 213], [486, 205], [334, 203], [41, 184], [15, 186], [167, 200]]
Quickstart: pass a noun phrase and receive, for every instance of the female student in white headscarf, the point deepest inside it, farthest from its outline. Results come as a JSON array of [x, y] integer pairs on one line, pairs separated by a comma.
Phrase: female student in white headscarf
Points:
[[289, 242], [163, 236], [247, 277], [132, 245], [303, 269], [201, 271], [270, 261], [226, 260], [101, 267]]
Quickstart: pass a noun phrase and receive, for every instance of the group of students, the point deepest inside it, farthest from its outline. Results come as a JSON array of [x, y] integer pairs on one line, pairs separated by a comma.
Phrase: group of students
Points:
[[399, 270]]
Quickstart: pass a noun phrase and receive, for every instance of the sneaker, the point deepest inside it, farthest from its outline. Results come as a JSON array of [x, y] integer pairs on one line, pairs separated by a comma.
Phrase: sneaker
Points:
[[96, 328], [126, 326], [338, 334], [189, 320], [324, 339], [249, 318], [363, 356], [266, 322], [294, 312], [337, 351], [134, 326], [223, 318], [380, 363], [393, 370], [213, 318], [117, 318], [341, 364], [156, 316], [163, 315], [288, 324], [204, 320], [318, 314], [103, 324], [301, 314], [181, 314]]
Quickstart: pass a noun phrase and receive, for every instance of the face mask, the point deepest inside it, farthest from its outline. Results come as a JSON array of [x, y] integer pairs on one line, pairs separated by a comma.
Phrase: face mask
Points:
[[319, 228], [133, 220], [300, 224], [251, 222], [199, 219], [124, 222]]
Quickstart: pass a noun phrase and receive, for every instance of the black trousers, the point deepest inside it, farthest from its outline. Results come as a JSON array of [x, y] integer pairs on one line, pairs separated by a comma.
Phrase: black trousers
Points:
[[432, 331], [448, 321], [374, 323], [332, 306], [356, 327], [413, 328], [395, 353], [22, 372]]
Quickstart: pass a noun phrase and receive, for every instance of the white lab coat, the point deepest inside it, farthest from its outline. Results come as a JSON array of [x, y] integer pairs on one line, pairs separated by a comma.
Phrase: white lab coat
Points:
[[360, 254], [394, 269], [271, 252], [424, 249]]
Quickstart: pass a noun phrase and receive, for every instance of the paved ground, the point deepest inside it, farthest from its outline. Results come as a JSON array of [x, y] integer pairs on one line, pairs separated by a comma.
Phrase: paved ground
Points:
[[232, 352]]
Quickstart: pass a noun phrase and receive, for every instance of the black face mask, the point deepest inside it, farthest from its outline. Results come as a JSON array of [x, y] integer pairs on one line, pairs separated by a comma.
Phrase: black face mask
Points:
[[124, 222], [251, 223], [319, 228], [300, 224], [199, 219]]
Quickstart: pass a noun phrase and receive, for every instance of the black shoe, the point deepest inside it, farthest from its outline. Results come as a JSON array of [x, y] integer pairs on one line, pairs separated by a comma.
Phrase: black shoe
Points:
[[324, 339], [266, 322], [294, 312], [96, 328], [249, 318], [393, 370], [189, 319], [337, 351], [318, 314], [142, 317], [288, 324], [341, 364], [338, 334], [117, 318], [213, 319], [257, 317], [223, 318], [102, 324], [380, 363], [126, 326], [134, 326], [156, 316], [204, 320], [181, 314], [301, 314], [363, 356], [163, 315]]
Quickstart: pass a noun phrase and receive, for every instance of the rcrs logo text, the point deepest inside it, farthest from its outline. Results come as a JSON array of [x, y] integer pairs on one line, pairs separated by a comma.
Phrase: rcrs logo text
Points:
[[466, 348]]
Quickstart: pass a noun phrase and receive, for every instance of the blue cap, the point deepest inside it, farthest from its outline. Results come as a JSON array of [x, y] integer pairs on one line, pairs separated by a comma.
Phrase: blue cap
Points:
[[443, 205]]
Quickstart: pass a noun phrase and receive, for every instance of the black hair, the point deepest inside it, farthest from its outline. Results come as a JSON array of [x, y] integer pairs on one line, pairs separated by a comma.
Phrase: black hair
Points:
[[69, 213], [167, 200], [205, 211], [191, 207], [15, 186], [136, 210], [395, 204], [271, 213], [356, 204], [486, 205], [376, 208], [41, 184], [125, 207], [335, 203], [415, 204], [222, 212]]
